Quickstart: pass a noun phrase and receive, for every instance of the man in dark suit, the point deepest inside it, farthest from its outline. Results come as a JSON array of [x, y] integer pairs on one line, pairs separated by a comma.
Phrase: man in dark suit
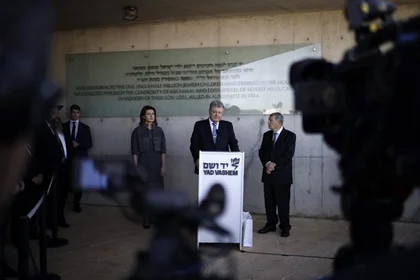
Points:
[[28, 197], [276, 153], [81, 141], [213, 134], [54, 151]]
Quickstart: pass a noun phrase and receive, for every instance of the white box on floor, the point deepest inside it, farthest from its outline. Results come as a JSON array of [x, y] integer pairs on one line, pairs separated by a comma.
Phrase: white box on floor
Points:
[[247, 224]]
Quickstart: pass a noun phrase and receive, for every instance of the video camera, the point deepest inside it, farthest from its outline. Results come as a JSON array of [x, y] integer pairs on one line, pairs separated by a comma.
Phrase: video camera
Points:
[[365, 106], [173, 254]]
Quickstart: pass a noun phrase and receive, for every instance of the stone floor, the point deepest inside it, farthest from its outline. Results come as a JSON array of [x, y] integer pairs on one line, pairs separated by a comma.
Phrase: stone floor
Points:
[[102, 245]]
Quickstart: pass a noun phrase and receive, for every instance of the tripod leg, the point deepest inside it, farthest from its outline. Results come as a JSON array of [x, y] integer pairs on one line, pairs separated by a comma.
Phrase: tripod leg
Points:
[[371, 232]]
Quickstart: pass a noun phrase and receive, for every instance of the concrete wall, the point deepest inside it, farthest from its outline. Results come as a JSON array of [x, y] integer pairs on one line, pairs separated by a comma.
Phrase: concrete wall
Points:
[[315, 169]]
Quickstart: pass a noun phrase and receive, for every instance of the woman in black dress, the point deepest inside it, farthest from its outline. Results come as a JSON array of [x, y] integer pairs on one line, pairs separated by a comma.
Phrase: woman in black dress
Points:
[[148, 147]]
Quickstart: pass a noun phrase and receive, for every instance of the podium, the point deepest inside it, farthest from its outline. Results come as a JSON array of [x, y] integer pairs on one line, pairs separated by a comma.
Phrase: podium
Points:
[[227, 169]]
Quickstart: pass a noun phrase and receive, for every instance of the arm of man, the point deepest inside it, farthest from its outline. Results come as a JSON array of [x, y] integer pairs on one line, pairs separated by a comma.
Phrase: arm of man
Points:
[[195, 142], [262, 151], [39, 153], [163, 152], [34, 169], [86, 142], [134, 147], [289, 151], [40, 166], [233, 142]]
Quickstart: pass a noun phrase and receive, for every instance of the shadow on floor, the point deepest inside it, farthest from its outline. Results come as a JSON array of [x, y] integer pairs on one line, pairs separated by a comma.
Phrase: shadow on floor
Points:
[[103, 243]]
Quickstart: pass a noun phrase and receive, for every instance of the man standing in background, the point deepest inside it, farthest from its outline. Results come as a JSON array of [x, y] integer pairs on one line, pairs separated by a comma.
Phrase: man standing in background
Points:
[[53, 151], [82, 142], [276, 154], [213, 134]]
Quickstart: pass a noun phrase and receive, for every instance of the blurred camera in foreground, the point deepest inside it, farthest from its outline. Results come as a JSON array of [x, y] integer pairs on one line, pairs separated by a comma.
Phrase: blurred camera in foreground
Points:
[[172, 254]]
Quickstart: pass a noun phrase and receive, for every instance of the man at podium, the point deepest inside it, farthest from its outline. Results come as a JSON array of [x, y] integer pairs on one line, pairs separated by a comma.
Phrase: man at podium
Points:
[[213, 134]]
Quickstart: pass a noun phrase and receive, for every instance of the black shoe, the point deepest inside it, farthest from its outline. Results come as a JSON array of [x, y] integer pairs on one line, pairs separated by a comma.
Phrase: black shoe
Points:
[[266, 229], [146, 226], [285, 233], [77, 209]]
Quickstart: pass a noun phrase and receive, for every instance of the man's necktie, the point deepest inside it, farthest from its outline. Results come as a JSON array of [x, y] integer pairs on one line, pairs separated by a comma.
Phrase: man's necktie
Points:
[[214, 133], [73, 131], [274, 138]]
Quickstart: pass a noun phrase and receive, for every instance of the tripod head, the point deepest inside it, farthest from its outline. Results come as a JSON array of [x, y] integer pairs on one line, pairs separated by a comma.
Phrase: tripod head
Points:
[[365, 108]]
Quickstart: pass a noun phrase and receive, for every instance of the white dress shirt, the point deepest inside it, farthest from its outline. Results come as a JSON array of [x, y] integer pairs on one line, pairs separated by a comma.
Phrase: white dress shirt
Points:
[[278, 133], [63, 143], [62, 139], [211, 125]]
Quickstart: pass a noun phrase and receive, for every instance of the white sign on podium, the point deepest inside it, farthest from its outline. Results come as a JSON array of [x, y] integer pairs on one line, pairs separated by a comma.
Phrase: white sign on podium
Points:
[[226, 169]]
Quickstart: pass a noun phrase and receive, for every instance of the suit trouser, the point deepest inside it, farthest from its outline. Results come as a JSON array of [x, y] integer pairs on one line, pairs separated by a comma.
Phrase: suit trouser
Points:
[[62, 191], [77, 196], [61, 186], [61, 197], [277, 196]]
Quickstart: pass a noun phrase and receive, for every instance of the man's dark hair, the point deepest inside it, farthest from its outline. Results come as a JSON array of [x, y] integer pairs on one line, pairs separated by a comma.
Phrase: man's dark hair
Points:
[[74, 107]]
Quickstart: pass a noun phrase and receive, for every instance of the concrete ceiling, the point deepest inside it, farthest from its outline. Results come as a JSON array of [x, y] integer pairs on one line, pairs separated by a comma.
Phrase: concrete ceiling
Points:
[[80, 14]]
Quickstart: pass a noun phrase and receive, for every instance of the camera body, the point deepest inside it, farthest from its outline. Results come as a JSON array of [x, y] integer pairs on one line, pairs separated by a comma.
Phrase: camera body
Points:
[[171, 254], [365, 107], [26, 94]]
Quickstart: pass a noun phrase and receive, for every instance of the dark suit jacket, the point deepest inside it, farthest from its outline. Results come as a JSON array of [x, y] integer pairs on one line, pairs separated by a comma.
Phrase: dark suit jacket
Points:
[[27, 198], [202, 139], [48, 153], [33, 168], [281, 154], [84, 138]]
